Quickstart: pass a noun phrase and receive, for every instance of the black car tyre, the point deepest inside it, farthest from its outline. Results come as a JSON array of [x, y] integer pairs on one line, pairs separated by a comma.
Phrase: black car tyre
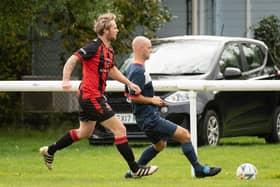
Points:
[[209, 129], [274, 136]]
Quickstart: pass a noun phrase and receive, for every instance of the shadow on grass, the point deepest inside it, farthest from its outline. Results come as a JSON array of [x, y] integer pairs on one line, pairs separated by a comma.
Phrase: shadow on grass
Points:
[[232, 141], [275, 176], [132, 144], [242, 141]]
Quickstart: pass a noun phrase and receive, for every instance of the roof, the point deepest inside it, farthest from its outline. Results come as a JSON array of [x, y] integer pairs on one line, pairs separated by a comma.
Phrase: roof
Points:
[[223, 39]]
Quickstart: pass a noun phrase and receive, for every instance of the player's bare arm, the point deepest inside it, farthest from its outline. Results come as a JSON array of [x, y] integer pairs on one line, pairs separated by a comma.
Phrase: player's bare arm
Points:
[[67, 71], [115, 74], [155, 100]]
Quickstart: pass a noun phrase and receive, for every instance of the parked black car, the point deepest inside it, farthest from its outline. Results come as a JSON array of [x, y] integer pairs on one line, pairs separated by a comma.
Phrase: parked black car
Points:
[[220, 114]]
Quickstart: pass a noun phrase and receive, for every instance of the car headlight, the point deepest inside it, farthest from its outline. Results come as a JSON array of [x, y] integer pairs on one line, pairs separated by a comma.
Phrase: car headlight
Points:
[[179, 96]]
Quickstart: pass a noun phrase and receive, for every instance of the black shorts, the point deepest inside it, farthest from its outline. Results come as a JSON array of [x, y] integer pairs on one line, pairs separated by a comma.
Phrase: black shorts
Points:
[[94, 109]]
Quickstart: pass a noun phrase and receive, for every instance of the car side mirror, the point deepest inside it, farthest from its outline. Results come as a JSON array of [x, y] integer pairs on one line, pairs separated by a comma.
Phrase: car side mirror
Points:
[[231, 72]]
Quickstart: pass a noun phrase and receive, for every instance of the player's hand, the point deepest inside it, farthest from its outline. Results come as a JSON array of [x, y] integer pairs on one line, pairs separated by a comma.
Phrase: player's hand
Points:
[[135, 88], [162, 103], [66, 86], [156, 100]]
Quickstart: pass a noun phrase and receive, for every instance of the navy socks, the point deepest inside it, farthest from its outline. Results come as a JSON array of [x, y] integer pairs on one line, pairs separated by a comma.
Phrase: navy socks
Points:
[[148, 154], [189, 152]]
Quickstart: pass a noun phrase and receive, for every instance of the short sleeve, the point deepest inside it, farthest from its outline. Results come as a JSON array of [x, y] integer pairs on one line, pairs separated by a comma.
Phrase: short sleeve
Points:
[[89, 50], [138, 78]]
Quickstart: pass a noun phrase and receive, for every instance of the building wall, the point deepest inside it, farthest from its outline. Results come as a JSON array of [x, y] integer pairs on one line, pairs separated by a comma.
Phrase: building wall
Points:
[[207, 17], [218, 17], [178, 23], [261, 8], [231, 15]]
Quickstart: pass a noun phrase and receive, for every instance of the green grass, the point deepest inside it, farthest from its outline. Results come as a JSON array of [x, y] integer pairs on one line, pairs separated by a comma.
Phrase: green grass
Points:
[[83, 165]]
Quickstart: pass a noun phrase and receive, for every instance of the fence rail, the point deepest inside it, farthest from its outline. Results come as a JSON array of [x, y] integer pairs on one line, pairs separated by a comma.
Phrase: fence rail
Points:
[[172, 85]]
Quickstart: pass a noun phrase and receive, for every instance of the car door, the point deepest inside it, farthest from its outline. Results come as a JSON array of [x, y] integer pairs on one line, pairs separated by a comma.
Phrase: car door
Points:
[[261, 103], [243, 112]]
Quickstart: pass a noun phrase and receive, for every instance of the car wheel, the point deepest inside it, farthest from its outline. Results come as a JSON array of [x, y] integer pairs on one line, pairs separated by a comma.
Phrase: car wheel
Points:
[[274, 136], [209, 129]]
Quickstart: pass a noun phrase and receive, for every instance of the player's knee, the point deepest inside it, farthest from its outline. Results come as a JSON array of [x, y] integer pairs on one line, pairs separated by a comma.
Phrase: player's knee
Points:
[[182, 135], [122, 129], [119, 131], [186, 135]]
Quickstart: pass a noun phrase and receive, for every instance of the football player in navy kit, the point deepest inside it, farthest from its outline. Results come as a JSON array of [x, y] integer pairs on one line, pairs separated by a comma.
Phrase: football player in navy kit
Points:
[[144, 106]]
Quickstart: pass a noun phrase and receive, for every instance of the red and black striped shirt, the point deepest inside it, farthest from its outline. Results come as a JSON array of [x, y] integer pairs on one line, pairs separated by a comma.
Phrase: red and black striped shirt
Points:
[[96, 60]]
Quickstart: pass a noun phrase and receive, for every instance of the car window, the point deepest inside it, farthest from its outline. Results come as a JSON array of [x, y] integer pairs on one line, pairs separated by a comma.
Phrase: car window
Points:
[[230, 57], [126, 63], [180, 57], [254, 55]]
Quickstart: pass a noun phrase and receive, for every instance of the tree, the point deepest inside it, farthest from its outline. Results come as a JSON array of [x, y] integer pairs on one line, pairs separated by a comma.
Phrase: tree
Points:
[[15, 51], [15, 48], [268, 31], [73, 20]]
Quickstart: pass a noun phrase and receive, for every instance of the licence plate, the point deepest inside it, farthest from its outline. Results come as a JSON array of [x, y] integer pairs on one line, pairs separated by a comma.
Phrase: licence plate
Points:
[[127, 118]]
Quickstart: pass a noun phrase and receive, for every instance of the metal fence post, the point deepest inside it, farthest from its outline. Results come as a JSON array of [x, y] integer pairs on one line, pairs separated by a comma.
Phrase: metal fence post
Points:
[[193, 125]]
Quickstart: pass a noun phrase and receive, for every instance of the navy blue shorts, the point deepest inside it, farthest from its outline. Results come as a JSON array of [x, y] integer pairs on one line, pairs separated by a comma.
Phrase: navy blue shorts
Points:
[[157, 128], [94, 109]]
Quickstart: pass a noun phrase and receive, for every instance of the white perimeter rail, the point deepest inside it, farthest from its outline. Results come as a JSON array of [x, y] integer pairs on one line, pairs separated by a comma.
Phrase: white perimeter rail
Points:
[[172, 85]]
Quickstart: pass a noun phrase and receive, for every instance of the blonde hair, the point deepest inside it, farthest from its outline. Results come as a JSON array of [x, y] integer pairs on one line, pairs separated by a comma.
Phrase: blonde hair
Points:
[[103, 22]]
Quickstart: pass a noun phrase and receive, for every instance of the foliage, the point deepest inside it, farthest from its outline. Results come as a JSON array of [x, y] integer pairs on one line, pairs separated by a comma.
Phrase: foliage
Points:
[[15, 50], [268, 31], [71, 20], [150, 17]]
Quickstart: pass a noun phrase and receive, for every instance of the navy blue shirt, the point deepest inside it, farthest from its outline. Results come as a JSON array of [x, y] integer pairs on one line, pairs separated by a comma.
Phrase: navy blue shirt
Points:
[[136, 73]]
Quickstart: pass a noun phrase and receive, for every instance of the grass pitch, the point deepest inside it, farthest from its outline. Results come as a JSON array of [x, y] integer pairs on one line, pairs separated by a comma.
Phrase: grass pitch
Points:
[[85, 165]]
